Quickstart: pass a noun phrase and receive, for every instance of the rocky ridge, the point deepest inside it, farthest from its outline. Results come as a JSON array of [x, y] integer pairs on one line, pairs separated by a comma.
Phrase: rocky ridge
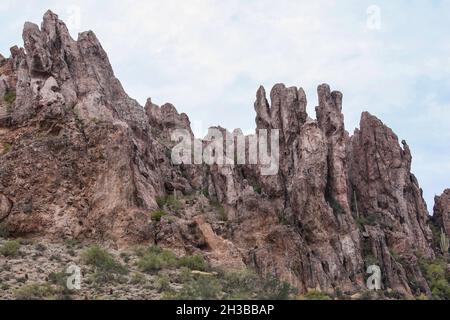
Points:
[[82, 160]]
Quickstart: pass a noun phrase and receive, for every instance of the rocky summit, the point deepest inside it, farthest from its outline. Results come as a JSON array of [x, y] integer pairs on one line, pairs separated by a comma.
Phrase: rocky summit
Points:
[[82, 161]]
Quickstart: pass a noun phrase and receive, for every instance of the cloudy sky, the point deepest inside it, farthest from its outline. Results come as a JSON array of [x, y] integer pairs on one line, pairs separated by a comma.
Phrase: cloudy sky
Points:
[[208, 57]]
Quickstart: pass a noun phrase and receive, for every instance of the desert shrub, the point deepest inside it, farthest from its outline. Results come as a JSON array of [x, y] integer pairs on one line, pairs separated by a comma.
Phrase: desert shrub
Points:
[[201, 287], [275, 289], [337, 208], [370, 219], [102, 261], [258, 189], [161, 201], [422, 297], [222, 213], [173, 203], [138, 278], [195, 262], [155, 259], [241, 285], [158, 214], [238, 285], [6, 148], [59, 279], [10, 97], [10, 248], [438, 278], [35, 292], [315, 295], [162, 283], [170, 202]]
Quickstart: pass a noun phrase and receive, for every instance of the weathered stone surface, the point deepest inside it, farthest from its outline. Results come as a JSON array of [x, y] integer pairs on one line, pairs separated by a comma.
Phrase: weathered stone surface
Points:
[[80, 159], [441, 215]]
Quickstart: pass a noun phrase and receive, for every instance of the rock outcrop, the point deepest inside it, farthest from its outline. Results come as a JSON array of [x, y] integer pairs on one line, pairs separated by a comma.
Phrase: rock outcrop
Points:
[[441, 215], [80, 159]]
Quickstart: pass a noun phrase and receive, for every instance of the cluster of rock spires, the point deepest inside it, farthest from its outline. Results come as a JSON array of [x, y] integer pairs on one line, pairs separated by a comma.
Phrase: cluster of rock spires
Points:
[[80, 159]]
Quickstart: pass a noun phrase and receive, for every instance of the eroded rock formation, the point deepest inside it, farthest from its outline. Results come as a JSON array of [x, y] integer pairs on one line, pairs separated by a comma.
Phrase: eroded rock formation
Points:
[[441, 215], [80, 159]]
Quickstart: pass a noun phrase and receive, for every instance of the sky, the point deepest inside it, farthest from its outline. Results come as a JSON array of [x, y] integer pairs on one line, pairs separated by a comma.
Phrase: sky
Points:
[[208, 58]]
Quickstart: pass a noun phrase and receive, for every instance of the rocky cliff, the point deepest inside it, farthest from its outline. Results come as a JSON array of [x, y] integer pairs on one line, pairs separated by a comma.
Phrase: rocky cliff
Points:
[[81, 159]]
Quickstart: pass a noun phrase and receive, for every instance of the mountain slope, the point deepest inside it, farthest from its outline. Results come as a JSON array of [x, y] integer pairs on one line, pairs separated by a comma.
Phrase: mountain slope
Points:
[[82, 160]]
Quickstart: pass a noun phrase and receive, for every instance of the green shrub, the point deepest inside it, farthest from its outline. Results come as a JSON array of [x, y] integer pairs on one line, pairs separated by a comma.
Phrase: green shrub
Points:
[[275, 289], [438, 278], [370, 219], [155, 259], [10, 248], [195, 262], [201, 287], [161, 201], [337, 208], [163, 283], [60, 279], [257, 189], [170, 202], [222, 214], [35, 292], [102, 260], [315, 295], [158, 214], [10, 97], [241, 285], [138, 278], [173, 203], [6, 148]]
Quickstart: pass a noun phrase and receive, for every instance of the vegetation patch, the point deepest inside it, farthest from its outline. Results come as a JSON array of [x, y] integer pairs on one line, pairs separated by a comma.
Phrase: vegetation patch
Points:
[[438, 276], [332, 202], [244, 285], [35, 292], [10, 97], [169, 202], [316, 295], [158, 214], [102, 261], [370, 219], [6, 148], [196, 262], [10, 248], [155, 259]]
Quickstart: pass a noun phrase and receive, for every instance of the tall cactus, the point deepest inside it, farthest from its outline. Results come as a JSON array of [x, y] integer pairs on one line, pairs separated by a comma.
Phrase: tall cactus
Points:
[[444, 243]]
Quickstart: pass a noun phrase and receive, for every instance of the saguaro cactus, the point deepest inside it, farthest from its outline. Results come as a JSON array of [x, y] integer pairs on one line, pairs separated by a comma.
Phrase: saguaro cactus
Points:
[[444, 243]]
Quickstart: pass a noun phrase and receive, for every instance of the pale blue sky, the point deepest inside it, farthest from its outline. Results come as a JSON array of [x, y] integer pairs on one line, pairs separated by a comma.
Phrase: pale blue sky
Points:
[[209, 57]]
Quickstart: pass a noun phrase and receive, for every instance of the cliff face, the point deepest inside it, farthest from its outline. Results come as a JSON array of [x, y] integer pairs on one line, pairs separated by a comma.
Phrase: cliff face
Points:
[[441, 215], [83, 160]]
